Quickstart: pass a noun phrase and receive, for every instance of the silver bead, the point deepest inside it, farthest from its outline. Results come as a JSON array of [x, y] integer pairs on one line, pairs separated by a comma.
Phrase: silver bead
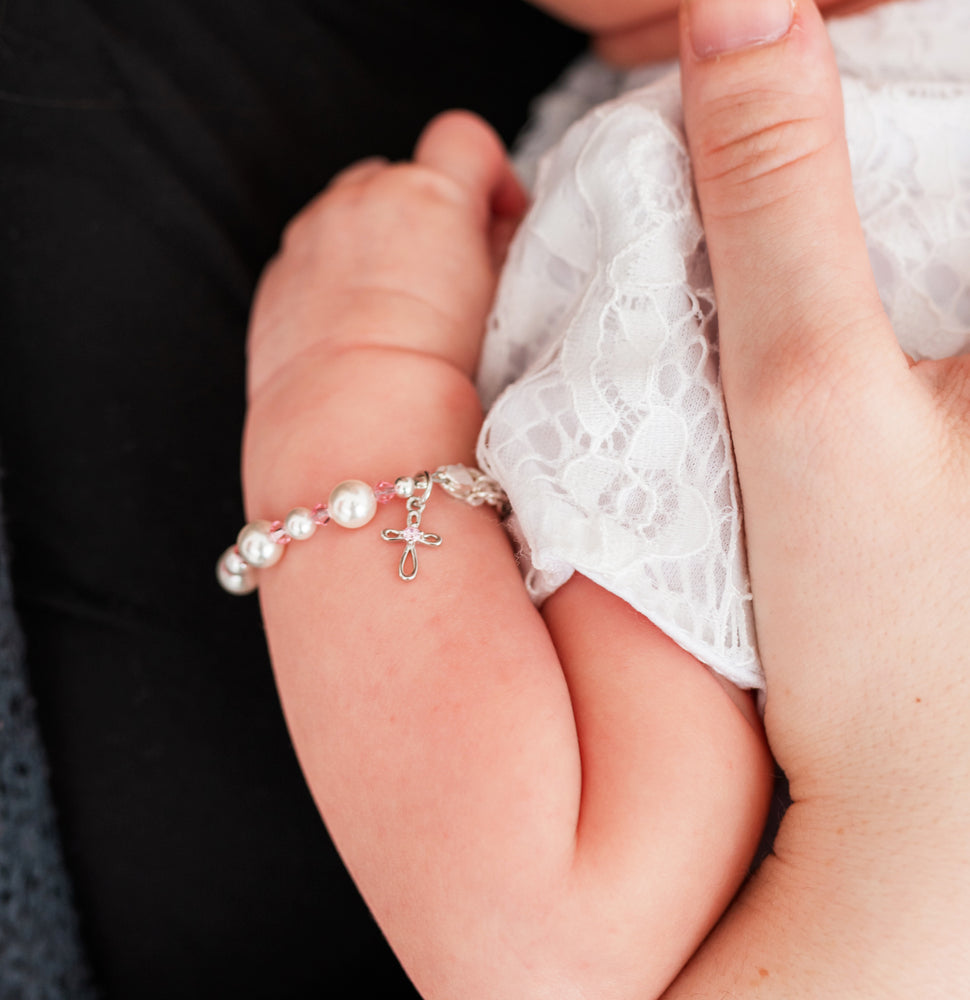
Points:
[[352, 503], [404, 486], [299, 524], [234, 573], [256, 545], [456, 478]]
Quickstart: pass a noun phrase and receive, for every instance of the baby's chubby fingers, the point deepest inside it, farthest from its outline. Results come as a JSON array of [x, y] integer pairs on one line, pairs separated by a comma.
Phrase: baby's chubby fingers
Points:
[[392, 255], [358, 172], [460, 145]]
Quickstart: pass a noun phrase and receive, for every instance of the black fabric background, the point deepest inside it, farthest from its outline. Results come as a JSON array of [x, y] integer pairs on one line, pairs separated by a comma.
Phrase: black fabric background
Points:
[[150, 153]]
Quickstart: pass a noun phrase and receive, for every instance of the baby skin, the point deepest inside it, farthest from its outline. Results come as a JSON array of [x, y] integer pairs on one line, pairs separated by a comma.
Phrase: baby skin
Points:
[[492, 774]]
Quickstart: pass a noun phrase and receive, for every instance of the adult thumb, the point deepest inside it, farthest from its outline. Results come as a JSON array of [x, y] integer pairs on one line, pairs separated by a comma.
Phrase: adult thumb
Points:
[[797, 302]]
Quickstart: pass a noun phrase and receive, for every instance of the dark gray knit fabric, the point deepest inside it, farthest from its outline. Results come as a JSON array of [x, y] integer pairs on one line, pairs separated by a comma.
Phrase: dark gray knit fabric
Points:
[[40, 954]]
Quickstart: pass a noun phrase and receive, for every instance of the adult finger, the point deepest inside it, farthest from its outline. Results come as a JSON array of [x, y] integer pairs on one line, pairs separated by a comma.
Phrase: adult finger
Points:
[[798, 307]]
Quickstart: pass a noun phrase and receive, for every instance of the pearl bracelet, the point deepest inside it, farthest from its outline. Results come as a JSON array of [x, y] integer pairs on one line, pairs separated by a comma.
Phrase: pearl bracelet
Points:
[[352, 504]]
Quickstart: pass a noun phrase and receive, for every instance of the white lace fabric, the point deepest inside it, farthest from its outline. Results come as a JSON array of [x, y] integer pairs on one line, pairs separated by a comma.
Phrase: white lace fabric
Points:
[[607, 425]]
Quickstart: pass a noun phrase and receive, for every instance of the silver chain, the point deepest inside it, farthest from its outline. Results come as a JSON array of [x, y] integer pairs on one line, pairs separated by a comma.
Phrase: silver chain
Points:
[[471, 486]]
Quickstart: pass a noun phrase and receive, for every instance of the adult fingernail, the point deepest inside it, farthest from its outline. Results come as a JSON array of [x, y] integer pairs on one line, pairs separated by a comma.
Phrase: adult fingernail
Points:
[[720, 26]]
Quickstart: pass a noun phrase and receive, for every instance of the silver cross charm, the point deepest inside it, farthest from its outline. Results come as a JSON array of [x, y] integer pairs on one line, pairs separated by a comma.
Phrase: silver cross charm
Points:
[[412, 535]]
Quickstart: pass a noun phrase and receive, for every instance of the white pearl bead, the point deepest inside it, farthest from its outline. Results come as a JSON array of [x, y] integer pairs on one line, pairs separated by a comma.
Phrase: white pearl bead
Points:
[[234, 562], [299, 524], [352, 503], [256, 545], [234, 573]]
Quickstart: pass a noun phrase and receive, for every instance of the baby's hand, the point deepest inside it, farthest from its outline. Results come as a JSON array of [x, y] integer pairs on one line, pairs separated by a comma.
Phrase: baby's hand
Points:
[[491, 777], [402, 256]]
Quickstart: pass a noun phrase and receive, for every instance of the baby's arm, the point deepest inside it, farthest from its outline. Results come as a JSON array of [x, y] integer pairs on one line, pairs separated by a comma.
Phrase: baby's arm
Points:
[[555, 805]]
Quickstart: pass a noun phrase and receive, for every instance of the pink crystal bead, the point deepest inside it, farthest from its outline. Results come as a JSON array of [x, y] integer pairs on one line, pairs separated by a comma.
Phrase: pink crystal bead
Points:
[[320, 513], [278, 533], [384, 491]]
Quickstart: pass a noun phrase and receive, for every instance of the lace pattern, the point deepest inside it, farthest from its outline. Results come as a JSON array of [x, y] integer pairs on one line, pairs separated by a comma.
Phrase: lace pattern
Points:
[[607, 426]]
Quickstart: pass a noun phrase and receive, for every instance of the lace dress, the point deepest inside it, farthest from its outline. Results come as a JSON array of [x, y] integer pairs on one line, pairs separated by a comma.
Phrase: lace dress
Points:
[[606, 422]]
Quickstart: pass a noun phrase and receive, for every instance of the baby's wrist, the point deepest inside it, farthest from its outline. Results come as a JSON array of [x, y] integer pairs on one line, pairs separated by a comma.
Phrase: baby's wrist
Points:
[[365, 414], [358, 322]]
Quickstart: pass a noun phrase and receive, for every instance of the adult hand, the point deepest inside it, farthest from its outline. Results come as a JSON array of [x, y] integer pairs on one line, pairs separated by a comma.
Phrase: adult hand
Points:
[[855, 471]]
